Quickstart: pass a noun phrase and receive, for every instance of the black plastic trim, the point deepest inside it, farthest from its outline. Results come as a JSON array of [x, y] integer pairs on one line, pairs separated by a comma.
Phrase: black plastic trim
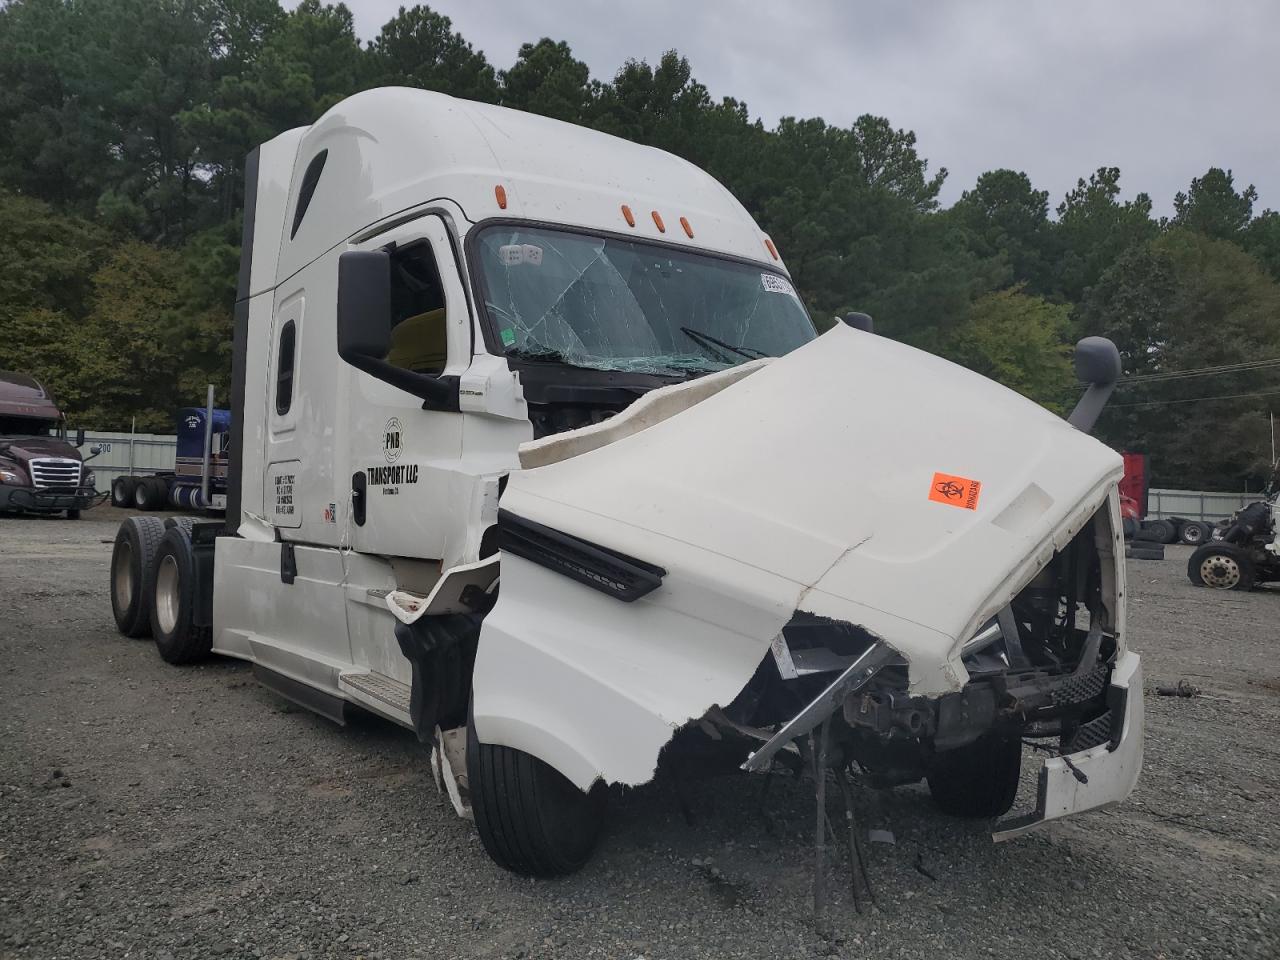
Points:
[[616, 574], [307, 189], [249, 221], [359, 496], [288, 563], [317, 701]]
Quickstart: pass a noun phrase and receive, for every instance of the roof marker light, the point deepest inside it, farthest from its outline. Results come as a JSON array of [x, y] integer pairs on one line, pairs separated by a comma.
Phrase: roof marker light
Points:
[[500, 192], [657, 220], [628, 216], [688, 230], [772, 249]]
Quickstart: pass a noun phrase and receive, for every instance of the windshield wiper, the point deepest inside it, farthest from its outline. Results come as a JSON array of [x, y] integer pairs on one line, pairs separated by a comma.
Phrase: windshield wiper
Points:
[[522, 353], [703, 339]]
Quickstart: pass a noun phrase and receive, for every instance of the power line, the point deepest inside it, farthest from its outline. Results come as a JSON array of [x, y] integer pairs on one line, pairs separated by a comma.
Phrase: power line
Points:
[[1226, 396], [1201, 371]]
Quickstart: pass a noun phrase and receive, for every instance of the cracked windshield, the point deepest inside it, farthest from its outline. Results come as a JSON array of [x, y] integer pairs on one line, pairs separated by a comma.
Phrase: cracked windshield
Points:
[[611, 304]]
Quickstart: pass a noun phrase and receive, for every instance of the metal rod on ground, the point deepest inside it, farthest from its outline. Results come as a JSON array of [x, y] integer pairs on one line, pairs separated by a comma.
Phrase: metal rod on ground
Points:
[[862, 856], [208, 439], [820, 834], [854, 859]]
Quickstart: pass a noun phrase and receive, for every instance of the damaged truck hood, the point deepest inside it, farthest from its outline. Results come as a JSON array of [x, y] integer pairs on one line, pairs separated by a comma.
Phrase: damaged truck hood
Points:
[[855, 478]]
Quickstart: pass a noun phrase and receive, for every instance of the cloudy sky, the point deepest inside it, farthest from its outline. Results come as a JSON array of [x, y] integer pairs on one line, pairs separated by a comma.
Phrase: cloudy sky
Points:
[[1163, 90]]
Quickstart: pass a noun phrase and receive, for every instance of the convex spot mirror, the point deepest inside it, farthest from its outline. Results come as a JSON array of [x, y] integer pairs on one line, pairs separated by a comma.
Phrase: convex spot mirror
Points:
[[364, 329], [1097, 360]]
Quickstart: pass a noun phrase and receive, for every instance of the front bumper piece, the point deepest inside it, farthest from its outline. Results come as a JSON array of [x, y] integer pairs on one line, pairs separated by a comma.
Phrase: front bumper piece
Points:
[[48, 499], [1098, 776]]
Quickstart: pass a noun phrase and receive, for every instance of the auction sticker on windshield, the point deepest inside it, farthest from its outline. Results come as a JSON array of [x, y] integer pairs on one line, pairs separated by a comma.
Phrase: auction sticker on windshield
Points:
[[776, 284]]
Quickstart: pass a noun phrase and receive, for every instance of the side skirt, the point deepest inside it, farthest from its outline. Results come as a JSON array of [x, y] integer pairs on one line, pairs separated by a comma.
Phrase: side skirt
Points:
[[325, 704]]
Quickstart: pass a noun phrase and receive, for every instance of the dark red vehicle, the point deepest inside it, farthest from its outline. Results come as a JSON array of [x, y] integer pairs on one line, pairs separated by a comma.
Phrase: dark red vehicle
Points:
[[41, 470]]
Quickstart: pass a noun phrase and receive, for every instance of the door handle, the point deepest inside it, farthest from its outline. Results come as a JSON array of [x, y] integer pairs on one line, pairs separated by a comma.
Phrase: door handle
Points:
[[359, 485]]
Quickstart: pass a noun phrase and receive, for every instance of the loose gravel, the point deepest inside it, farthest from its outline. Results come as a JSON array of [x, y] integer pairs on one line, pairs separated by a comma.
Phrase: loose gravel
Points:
[[158, 812]]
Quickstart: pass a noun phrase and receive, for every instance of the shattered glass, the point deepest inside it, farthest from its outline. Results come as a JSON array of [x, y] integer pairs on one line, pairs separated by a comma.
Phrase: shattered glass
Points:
[[610, 304]]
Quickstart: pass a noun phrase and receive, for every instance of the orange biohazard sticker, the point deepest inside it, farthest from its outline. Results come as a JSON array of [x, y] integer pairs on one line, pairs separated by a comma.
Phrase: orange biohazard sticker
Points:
[[955, 491]]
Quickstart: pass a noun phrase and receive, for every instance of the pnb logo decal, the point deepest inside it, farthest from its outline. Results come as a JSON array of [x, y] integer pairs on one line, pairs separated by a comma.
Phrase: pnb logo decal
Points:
[[392, 440]]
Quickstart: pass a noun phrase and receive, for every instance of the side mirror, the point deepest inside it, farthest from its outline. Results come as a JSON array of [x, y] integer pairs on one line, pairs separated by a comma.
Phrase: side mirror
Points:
[[1097, 363], [94, 451], [364, 329], [80, 437], [364, 305], [860, 321]]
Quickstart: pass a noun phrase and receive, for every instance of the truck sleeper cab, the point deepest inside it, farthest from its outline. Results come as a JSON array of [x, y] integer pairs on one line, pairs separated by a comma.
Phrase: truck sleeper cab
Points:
[[536, 452]]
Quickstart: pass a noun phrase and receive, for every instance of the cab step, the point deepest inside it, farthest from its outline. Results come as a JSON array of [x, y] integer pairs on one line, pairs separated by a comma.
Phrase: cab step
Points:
[[384, 695]]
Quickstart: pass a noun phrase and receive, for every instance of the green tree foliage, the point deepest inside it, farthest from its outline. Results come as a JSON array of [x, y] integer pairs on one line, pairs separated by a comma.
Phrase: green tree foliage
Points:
[[418, 48], [124, 127], [1211, 206], [1019, 340], [1094, 228], [547, 79], [1186, 301]]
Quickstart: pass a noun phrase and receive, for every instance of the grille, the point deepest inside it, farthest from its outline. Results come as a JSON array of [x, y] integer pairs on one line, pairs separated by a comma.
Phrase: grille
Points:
[[59, 472]]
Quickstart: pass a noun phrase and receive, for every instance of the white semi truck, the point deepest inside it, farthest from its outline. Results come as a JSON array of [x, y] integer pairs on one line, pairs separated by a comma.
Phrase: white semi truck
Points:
[[538, 453]]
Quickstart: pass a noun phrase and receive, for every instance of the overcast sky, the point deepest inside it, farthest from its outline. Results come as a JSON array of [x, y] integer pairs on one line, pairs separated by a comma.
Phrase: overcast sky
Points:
[[1162, 90]]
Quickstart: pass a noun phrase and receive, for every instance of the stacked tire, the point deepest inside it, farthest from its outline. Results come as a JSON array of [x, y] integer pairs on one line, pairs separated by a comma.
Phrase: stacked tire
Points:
[[153, 587]]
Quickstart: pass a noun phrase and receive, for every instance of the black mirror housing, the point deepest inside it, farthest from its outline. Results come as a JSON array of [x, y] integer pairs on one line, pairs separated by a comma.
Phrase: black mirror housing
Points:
[[860, 321], [1097, 361], [364, 329], [364, 305], [80, 437]]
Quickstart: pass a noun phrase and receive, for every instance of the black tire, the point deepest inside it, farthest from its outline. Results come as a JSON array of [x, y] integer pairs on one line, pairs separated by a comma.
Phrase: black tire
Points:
[[132, 562], [1164, 531], [979, 779], [1222, 566], [73, 514], [122, 491], [1194, 533], [531, 819], [1129, 527], [173, 600], [144, 494]]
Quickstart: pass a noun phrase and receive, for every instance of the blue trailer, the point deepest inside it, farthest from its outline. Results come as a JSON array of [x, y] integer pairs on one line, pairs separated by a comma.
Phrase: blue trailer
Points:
[[199, 478]]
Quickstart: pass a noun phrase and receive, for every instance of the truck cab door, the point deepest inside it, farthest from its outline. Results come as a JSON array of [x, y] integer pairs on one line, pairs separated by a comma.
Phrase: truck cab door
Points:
[[403, 457]]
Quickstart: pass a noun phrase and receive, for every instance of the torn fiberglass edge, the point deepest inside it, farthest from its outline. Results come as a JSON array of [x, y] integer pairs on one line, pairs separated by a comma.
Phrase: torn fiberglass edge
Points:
[[779, 505]]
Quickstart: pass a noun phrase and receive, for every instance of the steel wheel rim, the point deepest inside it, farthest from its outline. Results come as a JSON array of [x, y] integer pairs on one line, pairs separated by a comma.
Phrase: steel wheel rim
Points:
[[167, 600], [1220, 571], [1195, 535], [122, 575]]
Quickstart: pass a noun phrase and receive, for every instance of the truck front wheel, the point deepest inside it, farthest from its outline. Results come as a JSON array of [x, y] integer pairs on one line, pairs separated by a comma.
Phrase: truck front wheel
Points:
[[532, 820], [979, 779], [132, 561], [1221, 565], [173, 600]]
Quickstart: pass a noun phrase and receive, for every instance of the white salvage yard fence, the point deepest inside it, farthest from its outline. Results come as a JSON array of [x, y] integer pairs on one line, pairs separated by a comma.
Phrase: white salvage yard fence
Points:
[[123, 454], [1196, 504]]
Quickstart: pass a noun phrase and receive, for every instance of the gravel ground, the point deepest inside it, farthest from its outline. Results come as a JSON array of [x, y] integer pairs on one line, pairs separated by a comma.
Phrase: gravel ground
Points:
[[152, 811]]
